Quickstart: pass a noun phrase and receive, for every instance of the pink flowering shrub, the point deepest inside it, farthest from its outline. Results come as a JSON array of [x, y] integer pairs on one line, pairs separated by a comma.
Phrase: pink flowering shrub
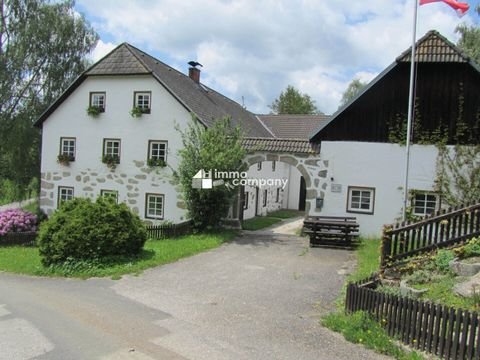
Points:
[[17, 220]]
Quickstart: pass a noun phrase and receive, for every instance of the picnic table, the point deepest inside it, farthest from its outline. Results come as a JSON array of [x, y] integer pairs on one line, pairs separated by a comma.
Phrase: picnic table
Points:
[[335, 231]]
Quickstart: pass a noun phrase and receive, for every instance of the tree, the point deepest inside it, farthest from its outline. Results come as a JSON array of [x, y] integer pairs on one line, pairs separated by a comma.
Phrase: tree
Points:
[[43, 47], [352, 90], [469, 40], [216, 148], [291, 101]]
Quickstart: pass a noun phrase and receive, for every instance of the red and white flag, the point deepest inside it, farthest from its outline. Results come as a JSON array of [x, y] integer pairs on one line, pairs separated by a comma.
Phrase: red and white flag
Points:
[[460, 7]]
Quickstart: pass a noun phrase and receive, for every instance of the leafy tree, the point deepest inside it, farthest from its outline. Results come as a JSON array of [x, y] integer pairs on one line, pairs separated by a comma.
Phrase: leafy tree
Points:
[[216, 148], [43, 46], [352, 90], [291, 101], [469, 40]]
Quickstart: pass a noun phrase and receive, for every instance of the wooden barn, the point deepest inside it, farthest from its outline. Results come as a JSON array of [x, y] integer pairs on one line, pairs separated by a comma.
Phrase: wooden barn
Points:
[[447, 94]]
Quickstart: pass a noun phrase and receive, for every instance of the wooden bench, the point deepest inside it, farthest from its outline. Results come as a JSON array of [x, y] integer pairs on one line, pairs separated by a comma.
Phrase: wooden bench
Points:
[[331, 231]]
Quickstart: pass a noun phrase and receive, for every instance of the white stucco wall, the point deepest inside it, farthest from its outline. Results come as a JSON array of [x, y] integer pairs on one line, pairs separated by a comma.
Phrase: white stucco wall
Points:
[[266, 172], [376, 165], [131, 178]]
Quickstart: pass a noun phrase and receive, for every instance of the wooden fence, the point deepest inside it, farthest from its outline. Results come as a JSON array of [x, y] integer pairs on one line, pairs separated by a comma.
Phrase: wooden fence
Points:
[[445, 228], [169, 230], [21, 238], [446, 332]]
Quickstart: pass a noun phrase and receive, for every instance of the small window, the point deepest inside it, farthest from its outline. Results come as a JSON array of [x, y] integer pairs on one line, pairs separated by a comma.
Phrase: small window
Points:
[[265, 195], [154, 206], [245, 201], [277, 198], [157, 150], [361, 200], [65, 193], [111, 150], [424, 203], [97, 100], [259, 166], [110, 194], [67, 148], [143, 101], [274, 165]]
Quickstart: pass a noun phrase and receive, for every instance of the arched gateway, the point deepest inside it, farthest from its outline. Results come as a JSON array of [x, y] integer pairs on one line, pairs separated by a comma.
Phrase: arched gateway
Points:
[[298, 153]]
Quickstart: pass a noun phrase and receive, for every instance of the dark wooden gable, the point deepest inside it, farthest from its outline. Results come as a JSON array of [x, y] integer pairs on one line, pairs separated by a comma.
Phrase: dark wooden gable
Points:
[[447, 91]]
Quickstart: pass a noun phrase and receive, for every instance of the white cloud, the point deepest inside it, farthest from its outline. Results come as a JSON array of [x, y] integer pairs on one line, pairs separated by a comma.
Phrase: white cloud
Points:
[[254, 49], [101, 50]]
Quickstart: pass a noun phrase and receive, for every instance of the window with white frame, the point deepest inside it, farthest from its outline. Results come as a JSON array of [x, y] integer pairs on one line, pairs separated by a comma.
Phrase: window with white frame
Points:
[[157, 150], [424, 203], [65, 193], [154, 204], [67, 147], [143, 101], [361, 200], [274, 165], [111, 149], [109, 194], [98, 100]]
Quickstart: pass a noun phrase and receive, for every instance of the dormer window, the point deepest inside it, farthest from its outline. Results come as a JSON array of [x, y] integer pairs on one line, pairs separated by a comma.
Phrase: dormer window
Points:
[[143, 101], [97, 100]]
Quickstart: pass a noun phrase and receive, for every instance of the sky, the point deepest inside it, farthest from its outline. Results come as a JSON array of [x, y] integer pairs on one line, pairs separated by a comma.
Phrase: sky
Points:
[[251, 50]]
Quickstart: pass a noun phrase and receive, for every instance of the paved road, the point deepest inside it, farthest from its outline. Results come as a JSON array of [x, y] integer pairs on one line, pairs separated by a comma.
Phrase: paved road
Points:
[[259, 297]]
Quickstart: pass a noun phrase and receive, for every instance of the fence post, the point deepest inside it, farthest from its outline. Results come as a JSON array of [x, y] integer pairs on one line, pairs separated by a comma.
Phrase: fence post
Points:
[[386, 249]]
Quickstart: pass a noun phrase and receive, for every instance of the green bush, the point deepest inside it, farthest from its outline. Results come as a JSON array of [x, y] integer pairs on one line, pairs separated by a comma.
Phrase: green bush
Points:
[[442, 259], [84, 230]]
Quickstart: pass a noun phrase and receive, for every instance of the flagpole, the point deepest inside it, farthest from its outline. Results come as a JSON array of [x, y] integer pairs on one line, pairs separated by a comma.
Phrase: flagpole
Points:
[[410, 108]]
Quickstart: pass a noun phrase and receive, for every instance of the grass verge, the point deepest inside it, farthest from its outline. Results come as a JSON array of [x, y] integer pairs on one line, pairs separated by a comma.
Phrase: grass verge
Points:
[[262, 222], [259, 222], [360, 328], [26, 260]]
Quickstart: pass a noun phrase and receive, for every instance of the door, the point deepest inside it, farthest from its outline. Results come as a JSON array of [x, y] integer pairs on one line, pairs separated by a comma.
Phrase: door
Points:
[[242, 203], [303, 194]]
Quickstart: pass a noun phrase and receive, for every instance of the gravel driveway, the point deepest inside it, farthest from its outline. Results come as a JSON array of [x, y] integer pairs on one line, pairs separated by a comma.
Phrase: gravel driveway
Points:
[[258, 297]]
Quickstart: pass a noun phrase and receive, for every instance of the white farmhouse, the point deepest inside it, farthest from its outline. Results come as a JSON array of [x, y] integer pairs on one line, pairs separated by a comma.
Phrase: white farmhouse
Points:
[[113, 133]]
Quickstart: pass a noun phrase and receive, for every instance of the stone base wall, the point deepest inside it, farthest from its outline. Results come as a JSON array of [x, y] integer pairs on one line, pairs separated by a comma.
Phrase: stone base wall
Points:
[[131, 188]]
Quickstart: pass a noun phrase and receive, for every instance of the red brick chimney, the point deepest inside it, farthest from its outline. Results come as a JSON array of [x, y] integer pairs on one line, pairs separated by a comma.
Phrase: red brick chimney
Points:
[[193, 71], [194, 74]]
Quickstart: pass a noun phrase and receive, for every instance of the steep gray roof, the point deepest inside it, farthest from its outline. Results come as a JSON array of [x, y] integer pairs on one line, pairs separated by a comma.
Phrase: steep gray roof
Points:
[[293, 126], [205, 103]]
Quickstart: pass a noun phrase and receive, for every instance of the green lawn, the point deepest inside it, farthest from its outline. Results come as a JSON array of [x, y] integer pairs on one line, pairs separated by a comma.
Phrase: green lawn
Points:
[[26, 260], [261, 222], [286, 214]]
